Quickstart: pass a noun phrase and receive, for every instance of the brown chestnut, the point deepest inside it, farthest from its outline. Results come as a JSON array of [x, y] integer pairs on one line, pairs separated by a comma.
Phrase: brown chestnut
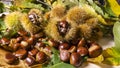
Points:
[[39, 35], [22, 33], [30, 60], [72, 49], [82, 42], [25, 38], [31, 40], [64, 46], [15, 46], [64, 55], [5, 41], [24, 44], [41, 57], [40, 44], [75, 59], [63, 27], [19, 39], [48, 49], [52, 43], [21, 53], [10, 58], [95, 50], [82, 51], [32, 52], [40, 39]]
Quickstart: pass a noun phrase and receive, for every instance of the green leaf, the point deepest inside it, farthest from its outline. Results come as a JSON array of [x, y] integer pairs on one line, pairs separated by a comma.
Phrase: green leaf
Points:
[[68, 3], [116, 32], [2, 8], [1, 23], [2, 27], [27, 4], [30, 0], [96, 7], [105, 12], [82, 2], [55, 56], [62, 65], [31, 5], [55, 59], [71, 3], [108, 10]]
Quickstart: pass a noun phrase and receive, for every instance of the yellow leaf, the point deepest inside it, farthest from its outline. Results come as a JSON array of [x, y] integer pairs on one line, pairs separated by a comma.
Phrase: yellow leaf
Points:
[[112, 61], [115, 6], [110, 52], [98, 59]]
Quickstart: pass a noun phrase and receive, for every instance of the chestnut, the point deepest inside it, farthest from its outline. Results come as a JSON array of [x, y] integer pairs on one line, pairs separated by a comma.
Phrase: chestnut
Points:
[[64, 46], [5, 41], [25, 38], [63, 27], [32, 52], [40, 44], [10, 58], [40, 39], [15, 46], [75, 59], [48, 49], [24, 44], [31, 40], [82, 51], [22, 33], [95, 50], [30, 60], [19, 39], [21, 53], [39, 35], [82, 42], [64, 55], [72, 49], [52, 43], [41, 57]]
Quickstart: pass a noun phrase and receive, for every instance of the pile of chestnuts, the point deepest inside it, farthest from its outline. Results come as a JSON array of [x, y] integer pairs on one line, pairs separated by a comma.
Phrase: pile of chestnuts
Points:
[[75, 54], [34, 50]]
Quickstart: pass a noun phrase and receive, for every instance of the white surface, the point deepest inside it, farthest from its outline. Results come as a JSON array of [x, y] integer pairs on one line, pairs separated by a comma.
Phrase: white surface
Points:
[[106, 42], [93, 65]]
